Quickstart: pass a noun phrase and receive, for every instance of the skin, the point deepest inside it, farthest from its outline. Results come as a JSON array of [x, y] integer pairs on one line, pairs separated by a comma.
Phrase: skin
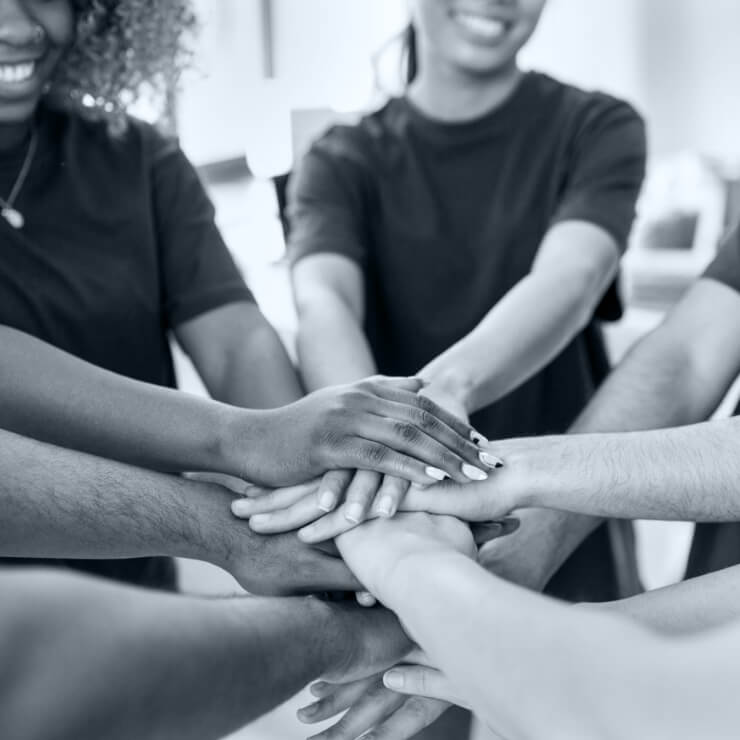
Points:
[[460, 78], [546, 654], [199, 668]]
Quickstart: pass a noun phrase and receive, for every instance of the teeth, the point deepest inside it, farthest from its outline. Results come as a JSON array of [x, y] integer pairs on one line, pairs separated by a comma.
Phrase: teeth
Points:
[[490, 28], [16, 72]]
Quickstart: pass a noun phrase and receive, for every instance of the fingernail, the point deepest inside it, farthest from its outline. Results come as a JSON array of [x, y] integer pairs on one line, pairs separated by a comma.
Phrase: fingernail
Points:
[[473, 473], [393, 680], [240, 508], [491, 460], [259, 519], [477, 438], [435, 473], [366, 599], [353, 513], [307, 711], [327, 500], [318, 689], [423, 382], [385, 507]]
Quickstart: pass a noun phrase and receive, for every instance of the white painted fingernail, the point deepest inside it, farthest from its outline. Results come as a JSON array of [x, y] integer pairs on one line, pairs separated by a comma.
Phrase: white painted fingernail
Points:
[[473, 473], [366, 599], [491, 460], [393, 680], [435, 473], [477, 438], [353, 512], [385, 506], [327, 500]]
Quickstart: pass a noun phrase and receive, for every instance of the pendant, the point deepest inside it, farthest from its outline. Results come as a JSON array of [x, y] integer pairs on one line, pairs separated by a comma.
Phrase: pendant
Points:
[[13, 217]]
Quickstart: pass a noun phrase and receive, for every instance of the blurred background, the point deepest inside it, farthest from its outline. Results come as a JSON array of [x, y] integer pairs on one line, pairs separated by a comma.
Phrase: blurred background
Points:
[[270, 75]]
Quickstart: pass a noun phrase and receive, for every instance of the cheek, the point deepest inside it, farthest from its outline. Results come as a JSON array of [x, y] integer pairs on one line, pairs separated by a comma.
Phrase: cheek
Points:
[[58, 20]]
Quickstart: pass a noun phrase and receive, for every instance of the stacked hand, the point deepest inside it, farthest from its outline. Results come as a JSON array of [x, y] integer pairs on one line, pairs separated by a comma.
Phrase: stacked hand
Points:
[[379, 424]]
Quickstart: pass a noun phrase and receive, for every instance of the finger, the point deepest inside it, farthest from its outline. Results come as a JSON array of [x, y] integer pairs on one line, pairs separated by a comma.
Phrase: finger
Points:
[[418, 680], [389, 496], [472, 503], [373, 707], [360, 495], [237, 485], [419, 465], [487, 531], [365, 599], [286, 520], [332, 488], [335, 698], [279, 498], [415, 714], [326, 528], [410, 384], [433, 421]]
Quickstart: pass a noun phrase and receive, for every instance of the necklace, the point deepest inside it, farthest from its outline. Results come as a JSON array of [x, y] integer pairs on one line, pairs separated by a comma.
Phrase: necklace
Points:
[[7, 209]]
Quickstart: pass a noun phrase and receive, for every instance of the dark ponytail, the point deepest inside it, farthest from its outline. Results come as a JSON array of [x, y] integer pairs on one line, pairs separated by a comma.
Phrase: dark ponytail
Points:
[[410, 56]]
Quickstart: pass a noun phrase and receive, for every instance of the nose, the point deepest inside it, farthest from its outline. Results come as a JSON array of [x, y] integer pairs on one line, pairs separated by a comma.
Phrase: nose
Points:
[[17, 26]]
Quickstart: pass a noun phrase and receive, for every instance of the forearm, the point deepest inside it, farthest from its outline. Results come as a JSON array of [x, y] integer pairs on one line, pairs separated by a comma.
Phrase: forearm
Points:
[[692, 606], [83, 658], [50, 395], [332, 347], [523, 333], [257, 373], [62, 504], [547, 659], [687, 474]]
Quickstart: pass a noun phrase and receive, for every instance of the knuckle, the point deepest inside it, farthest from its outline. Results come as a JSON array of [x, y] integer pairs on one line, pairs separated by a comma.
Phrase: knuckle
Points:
[[418, 708], [407, 432], [374, 454], [427, 421]]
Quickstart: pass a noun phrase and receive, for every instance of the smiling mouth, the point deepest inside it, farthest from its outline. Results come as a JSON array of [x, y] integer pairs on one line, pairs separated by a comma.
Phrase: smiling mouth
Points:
[[485, 27], [17, 73]]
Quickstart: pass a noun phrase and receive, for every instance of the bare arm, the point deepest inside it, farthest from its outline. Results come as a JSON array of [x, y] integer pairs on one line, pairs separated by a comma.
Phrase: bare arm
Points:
[[580, 670], [61, 504], [240, 357], [534, 321], [330, 299], [676, 375], [83, 658]]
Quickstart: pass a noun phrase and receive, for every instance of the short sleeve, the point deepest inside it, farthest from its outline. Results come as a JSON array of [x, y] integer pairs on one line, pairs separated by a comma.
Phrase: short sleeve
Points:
[[726, 265], [198, 271], [606, 169], [325, 206]]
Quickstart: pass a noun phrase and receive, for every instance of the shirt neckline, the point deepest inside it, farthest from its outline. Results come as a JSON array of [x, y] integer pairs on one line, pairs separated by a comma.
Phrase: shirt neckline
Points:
[[500, 118]]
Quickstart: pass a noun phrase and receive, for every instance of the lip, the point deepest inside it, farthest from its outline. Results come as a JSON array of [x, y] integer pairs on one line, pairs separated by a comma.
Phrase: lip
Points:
[[481, 27], [18, 90]]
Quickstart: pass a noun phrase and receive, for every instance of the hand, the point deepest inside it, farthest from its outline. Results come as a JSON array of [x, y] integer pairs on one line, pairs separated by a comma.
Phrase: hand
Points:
[[282, 565], [544, 541], [373, 550], [444, 398], [418, 677], [378, 424], [364, 494], [370, 640], [371, 706]]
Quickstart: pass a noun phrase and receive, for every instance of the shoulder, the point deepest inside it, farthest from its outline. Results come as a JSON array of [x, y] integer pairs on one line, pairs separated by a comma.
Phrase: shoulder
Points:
[[581, 108], [375, 135]]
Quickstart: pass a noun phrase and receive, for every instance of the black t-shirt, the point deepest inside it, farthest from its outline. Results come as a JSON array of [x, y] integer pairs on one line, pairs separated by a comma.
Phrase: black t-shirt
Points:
[[119, 247], [725, 268], [445, 218]]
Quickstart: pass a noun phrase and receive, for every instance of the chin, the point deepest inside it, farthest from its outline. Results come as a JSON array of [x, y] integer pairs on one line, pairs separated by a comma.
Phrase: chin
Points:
[[17, 112]]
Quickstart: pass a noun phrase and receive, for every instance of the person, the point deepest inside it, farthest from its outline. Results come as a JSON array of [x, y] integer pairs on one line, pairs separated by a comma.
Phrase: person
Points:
[[468, 232], [84, 658], [110, 246], [530, 666], [673, 465]]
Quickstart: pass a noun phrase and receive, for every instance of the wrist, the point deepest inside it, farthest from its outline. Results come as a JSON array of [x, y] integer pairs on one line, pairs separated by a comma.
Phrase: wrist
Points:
[[455, 383], [241, 434]]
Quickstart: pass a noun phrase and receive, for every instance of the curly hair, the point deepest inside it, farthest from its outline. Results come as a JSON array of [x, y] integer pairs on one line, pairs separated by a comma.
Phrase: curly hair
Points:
[[123, 49]]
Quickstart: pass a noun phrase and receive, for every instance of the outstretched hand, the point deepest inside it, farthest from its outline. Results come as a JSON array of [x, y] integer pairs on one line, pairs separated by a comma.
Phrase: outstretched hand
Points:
[[378, 424]]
